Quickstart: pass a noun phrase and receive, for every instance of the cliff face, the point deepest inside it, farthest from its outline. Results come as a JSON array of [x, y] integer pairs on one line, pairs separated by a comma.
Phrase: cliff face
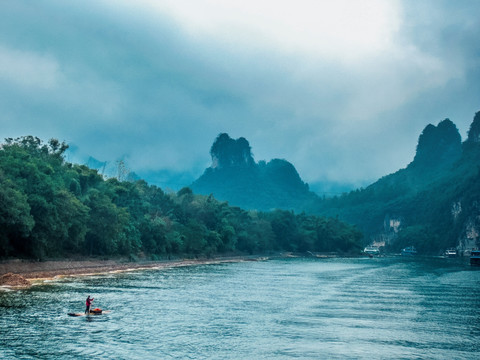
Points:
[[227, 152], [465, 212], [234, 176]]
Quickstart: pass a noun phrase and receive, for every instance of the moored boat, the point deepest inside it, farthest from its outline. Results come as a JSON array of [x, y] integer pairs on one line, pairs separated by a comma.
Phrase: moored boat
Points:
[[475, 258], [451, 253], [409, 251], [371, 250]]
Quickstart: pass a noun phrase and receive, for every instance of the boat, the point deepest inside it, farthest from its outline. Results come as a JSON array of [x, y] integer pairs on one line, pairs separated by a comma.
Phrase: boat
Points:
[[96, 311], [475, 258], [451, 253], [409, 251], [371, 250]]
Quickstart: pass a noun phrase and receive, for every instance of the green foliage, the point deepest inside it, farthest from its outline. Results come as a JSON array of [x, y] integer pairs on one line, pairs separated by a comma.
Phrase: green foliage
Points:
[[106, 225], [16, 221], [420, 236], [50, 208], [311, 233]]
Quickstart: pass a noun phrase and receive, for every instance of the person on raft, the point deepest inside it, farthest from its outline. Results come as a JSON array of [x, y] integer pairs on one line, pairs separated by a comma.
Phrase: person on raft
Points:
[[88, 303]]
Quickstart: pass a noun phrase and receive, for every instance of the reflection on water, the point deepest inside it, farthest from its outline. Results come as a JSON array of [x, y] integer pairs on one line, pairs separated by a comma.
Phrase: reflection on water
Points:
[[279, 309]]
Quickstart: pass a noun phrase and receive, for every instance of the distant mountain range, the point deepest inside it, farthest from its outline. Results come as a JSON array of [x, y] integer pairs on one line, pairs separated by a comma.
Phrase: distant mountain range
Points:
[[433, 204]]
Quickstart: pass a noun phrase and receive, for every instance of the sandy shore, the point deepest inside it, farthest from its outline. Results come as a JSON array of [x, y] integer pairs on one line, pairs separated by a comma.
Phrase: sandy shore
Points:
[[33, 270]]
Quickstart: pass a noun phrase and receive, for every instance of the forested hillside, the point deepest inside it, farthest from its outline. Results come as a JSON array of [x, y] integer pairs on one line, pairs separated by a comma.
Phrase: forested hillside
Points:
[[51, 208], [234, 176], [433, 203]]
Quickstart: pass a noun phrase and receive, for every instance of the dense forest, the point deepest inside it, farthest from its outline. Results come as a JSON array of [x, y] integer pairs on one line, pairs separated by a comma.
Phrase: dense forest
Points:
[[51, 208]]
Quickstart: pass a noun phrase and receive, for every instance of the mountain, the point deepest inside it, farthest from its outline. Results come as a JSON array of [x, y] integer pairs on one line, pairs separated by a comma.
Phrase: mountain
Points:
[[438, 146], [234, 176], [433, 204]]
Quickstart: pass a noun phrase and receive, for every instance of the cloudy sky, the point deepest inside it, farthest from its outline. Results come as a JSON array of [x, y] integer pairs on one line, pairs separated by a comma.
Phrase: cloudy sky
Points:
[[342, 89]]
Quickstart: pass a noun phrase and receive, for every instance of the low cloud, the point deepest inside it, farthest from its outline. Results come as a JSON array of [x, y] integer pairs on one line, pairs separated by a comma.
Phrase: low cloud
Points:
[[28, 69], [154, 83]]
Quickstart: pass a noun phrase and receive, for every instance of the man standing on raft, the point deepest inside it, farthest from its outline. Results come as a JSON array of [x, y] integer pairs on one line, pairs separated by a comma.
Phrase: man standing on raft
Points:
[[88, 303]]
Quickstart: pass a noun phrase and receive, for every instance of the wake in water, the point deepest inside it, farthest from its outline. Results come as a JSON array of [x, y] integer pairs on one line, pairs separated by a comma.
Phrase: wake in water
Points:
[[280, 309]]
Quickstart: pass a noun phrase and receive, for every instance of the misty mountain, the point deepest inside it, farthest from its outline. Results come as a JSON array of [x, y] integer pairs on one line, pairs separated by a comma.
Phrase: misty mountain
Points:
[[433, 203], [234, 176]]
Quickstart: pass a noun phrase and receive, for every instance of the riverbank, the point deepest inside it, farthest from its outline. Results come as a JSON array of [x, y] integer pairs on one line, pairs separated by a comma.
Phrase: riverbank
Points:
[[44, 270]]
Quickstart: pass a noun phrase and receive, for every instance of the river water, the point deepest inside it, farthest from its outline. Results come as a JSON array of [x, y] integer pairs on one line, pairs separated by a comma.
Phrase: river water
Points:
[[381, 308]]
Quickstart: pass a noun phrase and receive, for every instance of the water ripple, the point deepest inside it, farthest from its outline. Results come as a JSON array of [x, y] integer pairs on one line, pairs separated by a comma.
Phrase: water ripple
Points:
[[282, 309]]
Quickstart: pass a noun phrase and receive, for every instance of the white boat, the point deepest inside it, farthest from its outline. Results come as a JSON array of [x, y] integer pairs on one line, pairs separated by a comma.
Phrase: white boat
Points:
[[451, 253], [371, 250]]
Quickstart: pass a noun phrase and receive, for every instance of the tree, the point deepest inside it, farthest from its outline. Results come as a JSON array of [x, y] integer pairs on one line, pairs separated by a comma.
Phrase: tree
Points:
[[106, 224], [16, 223], [71, 225], [284, 227], [53, 208]]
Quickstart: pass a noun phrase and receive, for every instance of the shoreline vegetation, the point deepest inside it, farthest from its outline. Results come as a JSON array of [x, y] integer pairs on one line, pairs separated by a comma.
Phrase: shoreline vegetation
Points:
[[53, 209]]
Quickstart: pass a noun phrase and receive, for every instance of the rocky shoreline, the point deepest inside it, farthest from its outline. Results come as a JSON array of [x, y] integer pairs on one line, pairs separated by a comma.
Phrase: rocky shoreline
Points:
[[20, 273], [11, 279]]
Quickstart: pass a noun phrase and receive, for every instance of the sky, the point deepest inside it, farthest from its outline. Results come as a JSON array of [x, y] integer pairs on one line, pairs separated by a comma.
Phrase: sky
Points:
[[341, 89]]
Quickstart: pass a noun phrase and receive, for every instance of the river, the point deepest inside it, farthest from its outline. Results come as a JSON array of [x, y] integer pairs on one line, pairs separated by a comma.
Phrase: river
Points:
[[362, 308]]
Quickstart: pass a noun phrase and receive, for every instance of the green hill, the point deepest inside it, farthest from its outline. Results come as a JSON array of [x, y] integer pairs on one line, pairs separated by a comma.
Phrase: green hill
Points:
[[433, 204], [235, 177]]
